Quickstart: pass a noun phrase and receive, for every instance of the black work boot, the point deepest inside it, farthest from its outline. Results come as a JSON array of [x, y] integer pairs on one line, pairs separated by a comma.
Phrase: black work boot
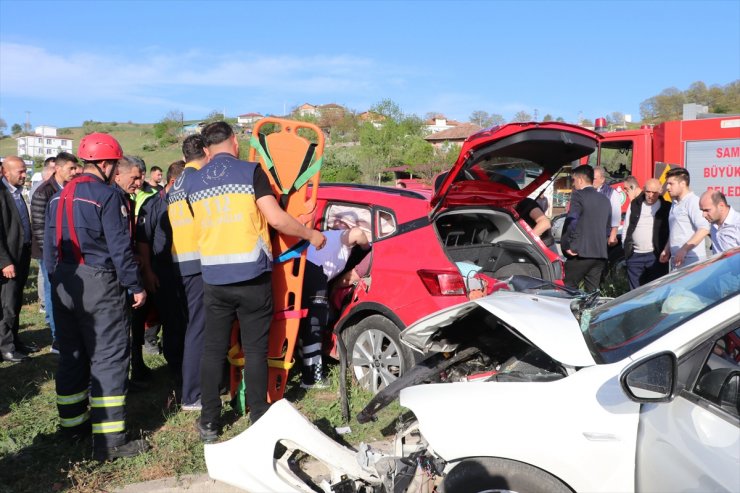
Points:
[[128, 449]]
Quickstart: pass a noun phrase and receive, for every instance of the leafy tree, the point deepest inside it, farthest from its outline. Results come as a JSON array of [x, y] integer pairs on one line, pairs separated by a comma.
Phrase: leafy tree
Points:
[[585, 122], [547, 118], [167, 130], [522, 116], [341, 164], [16, 129], [394, 143], [3, 127], [668, 105], [560, 119]]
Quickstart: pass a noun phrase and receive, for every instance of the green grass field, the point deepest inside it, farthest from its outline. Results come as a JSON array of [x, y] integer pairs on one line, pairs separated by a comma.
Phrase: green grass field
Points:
[[132, 136], [35, 457]]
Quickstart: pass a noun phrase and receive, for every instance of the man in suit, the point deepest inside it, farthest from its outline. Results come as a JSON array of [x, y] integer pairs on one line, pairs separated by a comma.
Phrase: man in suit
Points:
[[15, 257], [586, 231]]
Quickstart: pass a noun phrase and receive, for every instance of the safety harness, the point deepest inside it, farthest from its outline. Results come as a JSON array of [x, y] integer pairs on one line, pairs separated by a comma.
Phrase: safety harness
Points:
[[66, 200]]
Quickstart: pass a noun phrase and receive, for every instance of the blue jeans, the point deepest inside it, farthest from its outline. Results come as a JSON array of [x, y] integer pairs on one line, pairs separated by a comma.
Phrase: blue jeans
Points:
[[47, 299]]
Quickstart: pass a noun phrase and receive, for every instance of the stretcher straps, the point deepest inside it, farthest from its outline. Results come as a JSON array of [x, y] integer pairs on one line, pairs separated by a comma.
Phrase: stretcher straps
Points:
[[309, 167], [284, 315], [293, 252], [66, 203], [280, 363], [235, 360]]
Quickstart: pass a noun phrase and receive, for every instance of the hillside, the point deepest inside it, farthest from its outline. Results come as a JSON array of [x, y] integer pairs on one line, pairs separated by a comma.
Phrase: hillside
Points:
[[132, 136]]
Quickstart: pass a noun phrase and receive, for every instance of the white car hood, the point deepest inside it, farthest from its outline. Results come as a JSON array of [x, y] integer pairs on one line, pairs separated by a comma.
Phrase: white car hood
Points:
[[547, 322]]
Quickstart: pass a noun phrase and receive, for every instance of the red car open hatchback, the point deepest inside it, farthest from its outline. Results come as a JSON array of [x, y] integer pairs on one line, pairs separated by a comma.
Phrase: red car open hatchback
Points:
[[426, 245]]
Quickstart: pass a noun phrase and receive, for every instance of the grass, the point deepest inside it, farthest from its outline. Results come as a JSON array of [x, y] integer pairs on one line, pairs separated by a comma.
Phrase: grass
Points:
[[132, 137], [34, 457]]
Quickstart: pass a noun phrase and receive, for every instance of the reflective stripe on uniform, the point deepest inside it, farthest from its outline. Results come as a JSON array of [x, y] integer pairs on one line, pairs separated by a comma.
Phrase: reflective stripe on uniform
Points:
[[235, 258], [185, 256], [76, 421], [108, 427], [109, 401], [64, 400]]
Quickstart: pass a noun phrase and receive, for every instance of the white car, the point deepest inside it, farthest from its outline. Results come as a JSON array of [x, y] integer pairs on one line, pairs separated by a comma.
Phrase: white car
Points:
[[542, 391]]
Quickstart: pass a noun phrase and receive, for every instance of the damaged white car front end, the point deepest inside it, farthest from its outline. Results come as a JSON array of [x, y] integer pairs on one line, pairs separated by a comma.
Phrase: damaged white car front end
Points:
[[539, 392]]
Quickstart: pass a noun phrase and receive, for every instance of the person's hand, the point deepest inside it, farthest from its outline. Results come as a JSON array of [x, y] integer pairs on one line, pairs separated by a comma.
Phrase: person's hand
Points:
[[679, 257], [612, 239], [571, 252], [317, 239], [151, 281], [9, 271], [139, 299], [664, 256]]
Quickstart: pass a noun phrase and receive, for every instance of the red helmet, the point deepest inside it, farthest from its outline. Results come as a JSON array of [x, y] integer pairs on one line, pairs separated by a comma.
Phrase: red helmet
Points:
[[99, 147]]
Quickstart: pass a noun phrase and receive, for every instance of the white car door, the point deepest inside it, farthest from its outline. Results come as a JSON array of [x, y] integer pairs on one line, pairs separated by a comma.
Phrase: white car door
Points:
[[692, 443]]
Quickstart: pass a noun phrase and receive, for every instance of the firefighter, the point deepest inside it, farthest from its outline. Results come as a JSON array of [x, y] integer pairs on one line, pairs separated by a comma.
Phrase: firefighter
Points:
[[91, 266]]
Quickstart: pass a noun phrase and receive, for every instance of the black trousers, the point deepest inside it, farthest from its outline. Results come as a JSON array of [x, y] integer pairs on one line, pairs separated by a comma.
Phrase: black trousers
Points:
[[92, 319], [588, 270], [11, 298], [251, 303]]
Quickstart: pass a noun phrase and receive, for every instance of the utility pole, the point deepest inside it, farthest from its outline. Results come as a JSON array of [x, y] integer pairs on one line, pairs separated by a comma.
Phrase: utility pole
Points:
[[28, 122]]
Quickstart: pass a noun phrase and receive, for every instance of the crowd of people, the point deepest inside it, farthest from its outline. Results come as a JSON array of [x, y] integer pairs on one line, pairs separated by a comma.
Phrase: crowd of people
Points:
[[114, 250], [658, 235]]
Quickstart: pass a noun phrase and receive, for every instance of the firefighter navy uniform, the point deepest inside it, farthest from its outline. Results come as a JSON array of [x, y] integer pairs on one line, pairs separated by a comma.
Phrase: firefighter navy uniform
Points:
[[91, 266]]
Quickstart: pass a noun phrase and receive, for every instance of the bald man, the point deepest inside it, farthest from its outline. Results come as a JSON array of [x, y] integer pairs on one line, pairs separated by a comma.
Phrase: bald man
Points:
[[724, 222], [646, 226], [15, 257]]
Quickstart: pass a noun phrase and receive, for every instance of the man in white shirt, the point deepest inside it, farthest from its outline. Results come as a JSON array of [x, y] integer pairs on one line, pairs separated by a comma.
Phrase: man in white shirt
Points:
[[725, 222], [687, 226], [646, 231]]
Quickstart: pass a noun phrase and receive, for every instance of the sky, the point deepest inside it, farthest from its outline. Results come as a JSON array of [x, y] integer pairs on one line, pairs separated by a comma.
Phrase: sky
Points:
[[63, 62]]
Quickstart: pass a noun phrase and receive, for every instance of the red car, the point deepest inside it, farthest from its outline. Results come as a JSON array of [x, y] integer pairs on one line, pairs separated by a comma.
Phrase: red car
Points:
[[427, 245]]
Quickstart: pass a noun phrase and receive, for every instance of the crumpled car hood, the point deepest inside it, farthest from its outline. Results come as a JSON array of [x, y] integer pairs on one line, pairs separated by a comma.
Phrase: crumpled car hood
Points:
[[544, 321]]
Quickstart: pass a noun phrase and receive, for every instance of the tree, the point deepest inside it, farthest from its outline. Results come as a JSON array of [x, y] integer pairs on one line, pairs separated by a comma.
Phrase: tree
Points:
[[615, 118], [3, 127], [585, 122], [16, 129], [668, 105], [522, 116], [394, 143], [168, 130], [547, 118], [484, 119]]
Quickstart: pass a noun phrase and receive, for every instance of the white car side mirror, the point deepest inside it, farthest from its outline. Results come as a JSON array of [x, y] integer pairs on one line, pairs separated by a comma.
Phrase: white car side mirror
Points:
[[651, 379]]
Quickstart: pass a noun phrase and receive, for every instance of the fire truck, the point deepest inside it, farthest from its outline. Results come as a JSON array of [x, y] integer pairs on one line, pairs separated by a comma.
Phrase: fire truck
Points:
[[707, 145]]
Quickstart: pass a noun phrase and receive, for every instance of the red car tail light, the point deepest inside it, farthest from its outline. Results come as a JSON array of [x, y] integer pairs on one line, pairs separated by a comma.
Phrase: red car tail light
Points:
[[443, 283]]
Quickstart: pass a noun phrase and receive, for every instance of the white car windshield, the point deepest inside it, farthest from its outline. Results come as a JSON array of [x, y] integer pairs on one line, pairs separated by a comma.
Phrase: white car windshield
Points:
[[617, 329]]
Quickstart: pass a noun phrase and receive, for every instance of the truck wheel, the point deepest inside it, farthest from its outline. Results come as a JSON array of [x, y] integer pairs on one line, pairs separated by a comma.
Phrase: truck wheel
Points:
[[375, 352], [500, 475]]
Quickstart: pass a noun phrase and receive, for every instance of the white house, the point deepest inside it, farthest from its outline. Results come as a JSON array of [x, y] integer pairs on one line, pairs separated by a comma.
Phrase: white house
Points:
[[44, 142], [248, 119], [439, 123]]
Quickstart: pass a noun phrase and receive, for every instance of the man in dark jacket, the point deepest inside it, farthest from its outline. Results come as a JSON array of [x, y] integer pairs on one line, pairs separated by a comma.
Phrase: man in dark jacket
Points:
[[585, 232], [15, 257], [646, 226], [65, 169]]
